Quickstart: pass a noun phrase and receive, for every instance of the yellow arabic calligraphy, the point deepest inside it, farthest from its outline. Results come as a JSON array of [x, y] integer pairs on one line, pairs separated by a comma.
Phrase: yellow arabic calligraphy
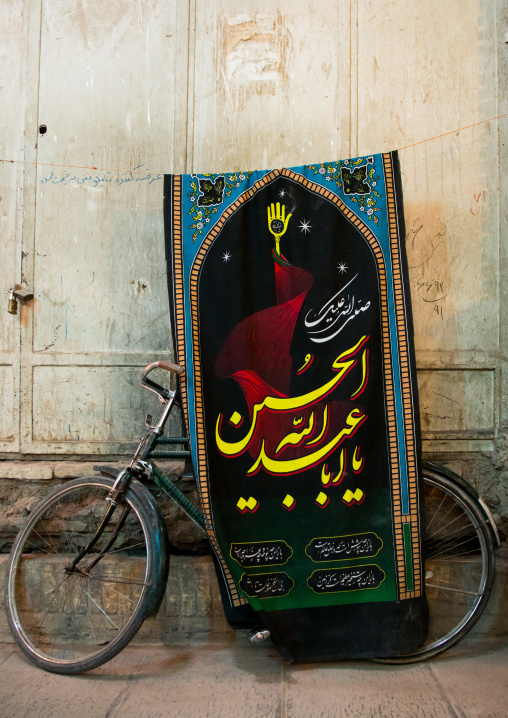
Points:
[[291, 466], [323, 430], [328, 478], [308, 360], [365, 372], [342, 365], [357, 461], [342, 469], [296, 436]]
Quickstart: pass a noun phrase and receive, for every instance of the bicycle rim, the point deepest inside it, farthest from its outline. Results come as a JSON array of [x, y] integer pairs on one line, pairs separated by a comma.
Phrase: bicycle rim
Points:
[[66, 620], [459, 565]]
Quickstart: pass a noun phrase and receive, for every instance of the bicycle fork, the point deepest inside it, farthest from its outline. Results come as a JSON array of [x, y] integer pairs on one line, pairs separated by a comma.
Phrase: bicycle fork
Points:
[[114, 495]]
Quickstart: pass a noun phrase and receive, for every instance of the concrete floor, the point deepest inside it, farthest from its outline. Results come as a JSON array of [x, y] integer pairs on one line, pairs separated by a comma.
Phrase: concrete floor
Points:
[[234, 678], [225, 676]]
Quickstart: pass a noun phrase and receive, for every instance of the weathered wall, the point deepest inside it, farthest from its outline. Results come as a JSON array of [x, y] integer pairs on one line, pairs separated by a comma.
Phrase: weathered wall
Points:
[[99, 99]]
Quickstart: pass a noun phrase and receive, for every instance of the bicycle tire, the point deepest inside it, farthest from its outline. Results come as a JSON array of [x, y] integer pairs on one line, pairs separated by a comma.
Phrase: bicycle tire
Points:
[[459, 565], [69, 622]]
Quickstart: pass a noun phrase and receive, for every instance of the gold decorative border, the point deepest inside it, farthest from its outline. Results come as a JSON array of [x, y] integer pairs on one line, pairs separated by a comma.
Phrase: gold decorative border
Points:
[[406, 398], [178, 286]]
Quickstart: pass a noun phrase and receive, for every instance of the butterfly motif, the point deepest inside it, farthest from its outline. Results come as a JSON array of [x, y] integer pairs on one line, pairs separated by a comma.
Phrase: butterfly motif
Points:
[[354, 181], [211, 192]]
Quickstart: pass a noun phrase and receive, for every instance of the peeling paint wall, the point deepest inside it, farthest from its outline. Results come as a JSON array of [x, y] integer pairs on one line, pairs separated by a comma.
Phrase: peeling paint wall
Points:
[[99, 99]]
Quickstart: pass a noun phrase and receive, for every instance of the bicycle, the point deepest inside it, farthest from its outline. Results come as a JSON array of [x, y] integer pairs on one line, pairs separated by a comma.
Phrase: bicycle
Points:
[[100, 542]]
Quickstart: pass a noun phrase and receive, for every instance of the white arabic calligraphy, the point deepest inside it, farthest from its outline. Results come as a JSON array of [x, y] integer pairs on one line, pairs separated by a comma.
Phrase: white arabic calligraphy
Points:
[[346, 307], [356, 546], [254, 554], [265, 585], [357, 578]]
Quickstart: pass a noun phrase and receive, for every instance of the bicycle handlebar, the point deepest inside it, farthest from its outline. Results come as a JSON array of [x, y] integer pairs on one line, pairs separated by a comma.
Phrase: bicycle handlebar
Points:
[[167, 366], [161, 365]]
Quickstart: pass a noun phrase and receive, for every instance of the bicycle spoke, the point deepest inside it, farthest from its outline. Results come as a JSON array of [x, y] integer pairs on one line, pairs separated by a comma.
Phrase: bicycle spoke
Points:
[[69, 543], [55, 591], [53, 550], [436, 512], [450, 549], [466, 528], [455, 546], [101, 609], [57, 635], [463, 560], [93, 631], [118, 579], [449, 588], [125, 548], [444, 528], [20, 581]]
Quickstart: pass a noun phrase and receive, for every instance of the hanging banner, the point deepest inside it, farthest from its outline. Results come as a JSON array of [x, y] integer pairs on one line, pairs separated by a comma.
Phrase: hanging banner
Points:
[[292, 322]]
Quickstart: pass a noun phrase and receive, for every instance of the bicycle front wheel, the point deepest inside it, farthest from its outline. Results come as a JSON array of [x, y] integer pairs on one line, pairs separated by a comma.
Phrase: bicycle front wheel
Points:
[[459, 565], [71, 619]]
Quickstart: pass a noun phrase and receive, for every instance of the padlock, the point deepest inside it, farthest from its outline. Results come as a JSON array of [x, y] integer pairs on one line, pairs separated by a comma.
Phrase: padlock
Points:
[[12, 305]]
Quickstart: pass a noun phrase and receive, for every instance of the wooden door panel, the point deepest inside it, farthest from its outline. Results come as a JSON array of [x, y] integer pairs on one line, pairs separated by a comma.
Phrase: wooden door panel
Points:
[[13, 63], [93, 404], [270, 85], [424, 71], [111, 82]]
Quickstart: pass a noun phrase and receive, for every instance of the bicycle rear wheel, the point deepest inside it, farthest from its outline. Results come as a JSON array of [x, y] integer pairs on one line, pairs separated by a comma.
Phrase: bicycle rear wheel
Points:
[[459, 565], [70, 620]]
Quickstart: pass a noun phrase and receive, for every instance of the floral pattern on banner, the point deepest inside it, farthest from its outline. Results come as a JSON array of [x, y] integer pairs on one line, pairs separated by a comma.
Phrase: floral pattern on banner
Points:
[[202, 215], [367, 202]]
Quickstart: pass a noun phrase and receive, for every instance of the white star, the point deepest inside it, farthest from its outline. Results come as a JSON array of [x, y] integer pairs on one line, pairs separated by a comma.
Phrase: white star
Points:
[[226, 257], [282, 193], [305, 226], [342, 268]]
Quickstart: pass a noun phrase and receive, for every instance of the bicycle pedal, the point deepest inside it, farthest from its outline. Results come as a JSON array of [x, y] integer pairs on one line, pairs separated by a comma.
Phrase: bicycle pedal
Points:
[[259, 637]]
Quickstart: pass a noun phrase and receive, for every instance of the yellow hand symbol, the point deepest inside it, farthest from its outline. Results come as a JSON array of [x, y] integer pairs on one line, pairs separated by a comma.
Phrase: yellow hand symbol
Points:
[[277, 223]]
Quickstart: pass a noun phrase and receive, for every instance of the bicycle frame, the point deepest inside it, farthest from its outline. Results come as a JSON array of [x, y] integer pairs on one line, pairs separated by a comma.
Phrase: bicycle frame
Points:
[[142, 465]]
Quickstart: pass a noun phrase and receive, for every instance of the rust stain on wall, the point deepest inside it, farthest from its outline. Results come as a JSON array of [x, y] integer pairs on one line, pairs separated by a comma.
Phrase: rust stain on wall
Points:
[[27, 309], [253, 55]]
